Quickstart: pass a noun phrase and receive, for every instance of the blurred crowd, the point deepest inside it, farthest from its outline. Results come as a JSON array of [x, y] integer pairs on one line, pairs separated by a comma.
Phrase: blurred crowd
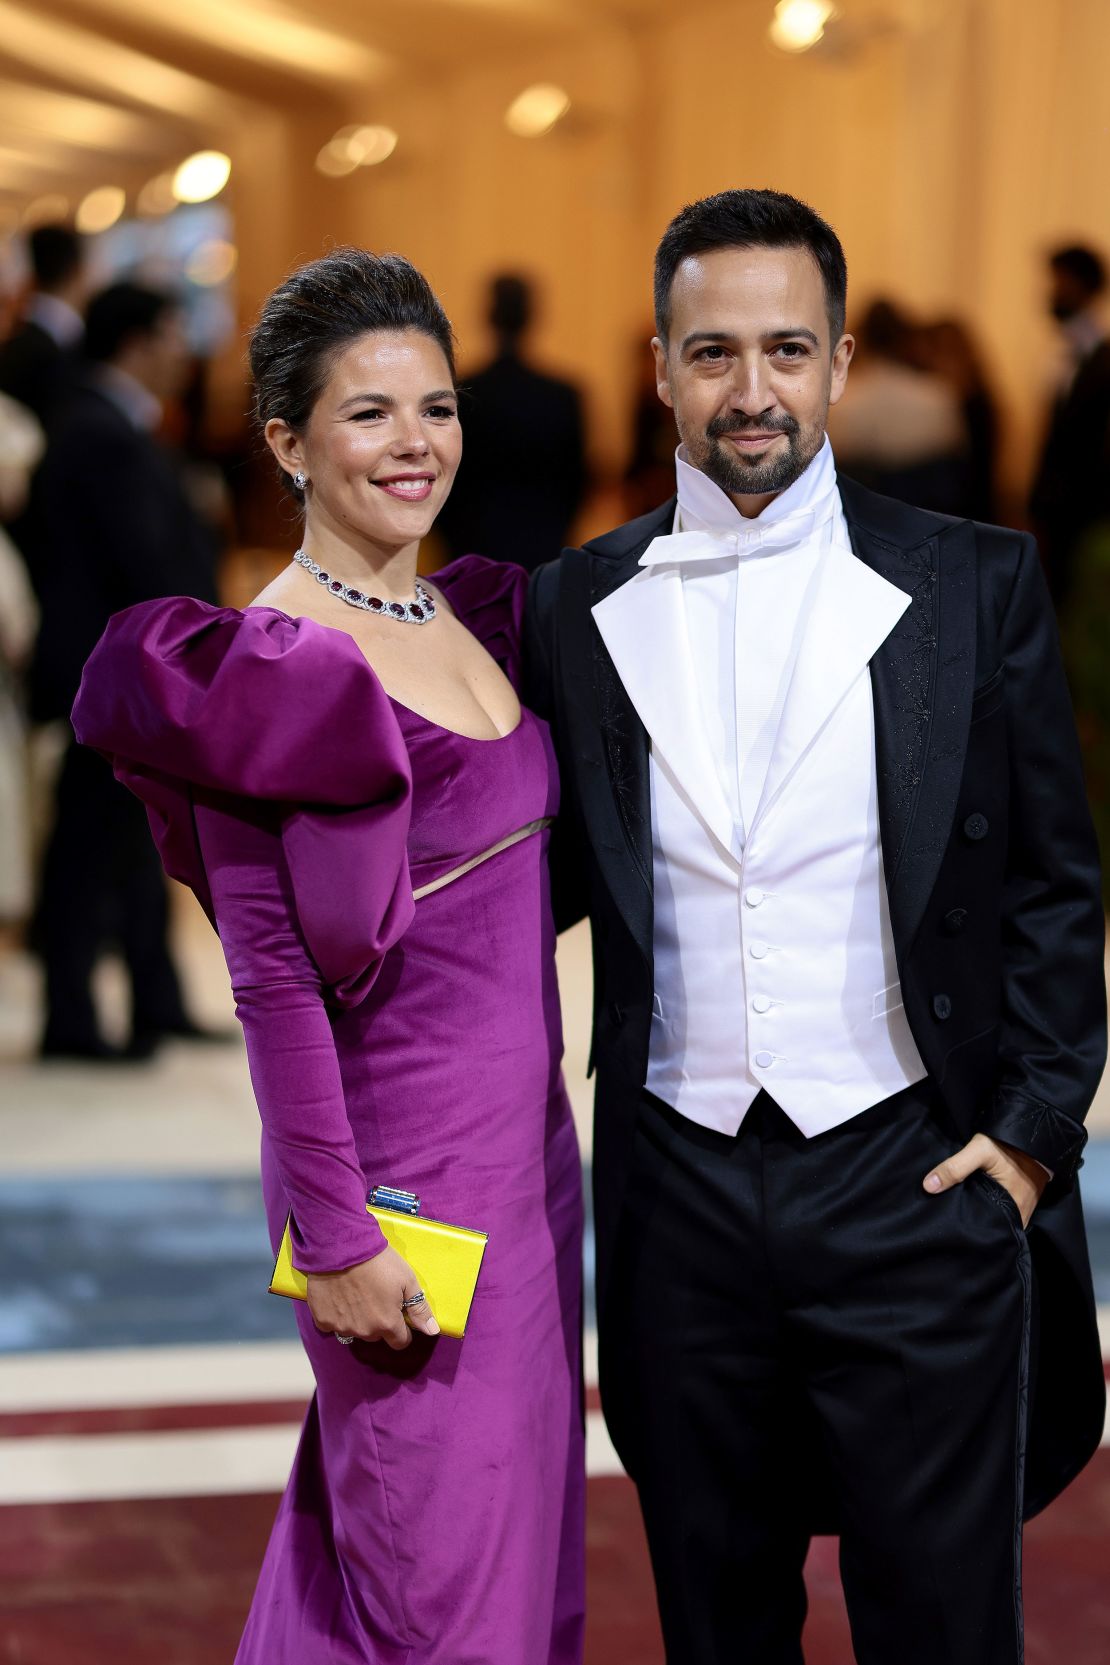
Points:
[[107, 499], [99, 516]]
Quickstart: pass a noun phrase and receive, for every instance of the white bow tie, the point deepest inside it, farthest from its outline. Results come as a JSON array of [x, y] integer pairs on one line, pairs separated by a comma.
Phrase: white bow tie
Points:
[[761, 537]]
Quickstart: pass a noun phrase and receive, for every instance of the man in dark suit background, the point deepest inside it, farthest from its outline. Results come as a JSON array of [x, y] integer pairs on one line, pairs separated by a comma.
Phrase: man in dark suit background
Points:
[[111, 525], [1071, 492], [523, 473], [843, 1283], [39, 360]]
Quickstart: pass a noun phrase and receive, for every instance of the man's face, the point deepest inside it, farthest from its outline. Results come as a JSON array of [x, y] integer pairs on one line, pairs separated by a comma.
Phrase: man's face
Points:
[[749, 369]]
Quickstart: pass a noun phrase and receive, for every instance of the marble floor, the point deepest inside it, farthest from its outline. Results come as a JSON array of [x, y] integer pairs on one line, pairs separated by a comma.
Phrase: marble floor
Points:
[[150, 1392]]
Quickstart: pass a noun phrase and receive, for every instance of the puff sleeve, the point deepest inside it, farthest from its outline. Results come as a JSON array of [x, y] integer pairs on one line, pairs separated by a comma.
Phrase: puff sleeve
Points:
[[278, 787]]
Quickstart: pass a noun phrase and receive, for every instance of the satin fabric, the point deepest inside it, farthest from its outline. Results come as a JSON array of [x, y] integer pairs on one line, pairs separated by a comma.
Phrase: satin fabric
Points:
[[434, 1513], [788, 1309]]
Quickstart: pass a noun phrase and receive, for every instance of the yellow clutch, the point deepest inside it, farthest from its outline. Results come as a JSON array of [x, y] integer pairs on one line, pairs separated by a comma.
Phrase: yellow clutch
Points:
[[446, 1259]]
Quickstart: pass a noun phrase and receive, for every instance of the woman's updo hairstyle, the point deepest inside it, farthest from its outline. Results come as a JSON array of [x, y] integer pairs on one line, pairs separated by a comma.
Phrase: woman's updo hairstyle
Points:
[[317, 312]]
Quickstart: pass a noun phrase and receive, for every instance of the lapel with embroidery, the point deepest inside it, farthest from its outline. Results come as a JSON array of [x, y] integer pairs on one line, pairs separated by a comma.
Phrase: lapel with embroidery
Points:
[[609, 737], [922, 680]]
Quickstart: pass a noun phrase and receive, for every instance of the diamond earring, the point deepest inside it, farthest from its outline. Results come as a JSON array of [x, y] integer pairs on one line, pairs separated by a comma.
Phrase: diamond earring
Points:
[[300, 480]]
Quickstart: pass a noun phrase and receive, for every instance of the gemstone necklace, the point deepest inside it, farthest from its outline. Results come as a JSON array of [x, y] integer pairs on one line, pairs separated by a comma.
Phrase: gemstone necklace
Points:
[[420, 611]]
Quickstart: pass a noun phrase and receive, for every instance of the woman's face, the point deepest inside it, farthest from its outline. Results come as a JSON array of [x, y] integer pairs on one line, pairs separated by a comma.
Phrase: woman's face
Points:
[[383, 442]]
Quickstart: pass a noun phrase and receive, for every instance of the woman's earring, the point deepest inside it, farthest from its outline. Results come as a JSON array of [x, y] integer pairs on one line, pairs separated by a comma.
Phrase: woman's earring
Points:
[[300, 480]]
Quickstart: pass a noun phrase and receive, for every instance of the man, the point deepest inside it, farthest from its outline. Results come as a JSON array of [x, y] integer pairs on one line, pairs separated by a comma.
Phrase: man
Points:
[[1071, 492], [523, 474], [38, 362], [824, 804], [111, 526]]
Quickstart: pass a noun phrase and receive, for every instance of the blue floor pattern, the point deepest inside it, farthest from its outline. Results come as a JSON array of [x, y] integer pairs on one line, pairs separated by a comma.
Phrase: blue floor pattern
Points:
[[115, 1261]]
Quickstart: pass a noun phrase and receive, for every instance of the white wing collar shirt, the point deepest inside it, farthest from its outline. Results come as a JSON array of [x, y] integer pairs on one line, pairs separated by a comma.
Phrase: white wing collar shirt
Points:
[[744, 646]]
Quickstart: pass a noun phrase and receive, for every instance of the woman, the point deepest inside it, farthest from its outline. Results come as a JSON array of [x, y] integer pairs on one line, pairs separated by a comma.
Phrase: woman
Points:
[[308, 764]]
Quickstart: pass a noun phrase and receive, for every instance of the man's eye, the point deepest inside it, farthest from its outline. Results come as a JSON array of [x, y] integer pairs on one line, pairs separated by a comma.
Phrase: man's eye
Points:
[[365, 415], [791, 349], [712, 354], [441, 412]]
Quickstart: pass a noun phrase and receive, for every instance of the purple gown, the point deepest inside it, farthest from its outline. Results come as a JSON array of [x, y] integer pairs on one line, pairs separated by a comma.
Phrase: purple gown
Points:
[[434, 1515]]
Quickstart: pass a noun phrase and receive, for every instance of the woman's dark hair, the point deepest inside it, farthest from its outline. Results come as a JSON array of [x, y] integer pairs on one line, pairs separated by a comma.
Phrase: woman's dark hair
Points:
[[318, 311], [748, 220]]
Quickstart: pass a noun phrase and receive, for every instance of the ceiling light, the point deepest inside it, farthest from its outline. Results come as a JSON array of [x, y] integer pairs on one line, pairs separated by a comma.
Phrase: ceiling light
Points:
[[46, 210], [536, 110], [799, 24], [101, 208], [212, 263], [202, 177], [156, 197], [368, 145], [336, 159]]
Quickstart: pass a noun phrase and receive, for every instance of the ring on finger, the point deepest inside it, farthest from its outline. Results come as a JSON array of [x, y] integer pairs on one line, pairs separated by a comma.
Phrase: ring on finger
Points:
[[412, 1300], [345, 1340]]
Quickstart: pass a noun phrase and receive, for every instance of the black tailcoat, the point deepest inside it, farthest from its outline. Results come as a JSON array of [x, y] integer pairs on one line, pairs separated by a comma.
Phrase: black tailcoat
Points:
[[991, 869]]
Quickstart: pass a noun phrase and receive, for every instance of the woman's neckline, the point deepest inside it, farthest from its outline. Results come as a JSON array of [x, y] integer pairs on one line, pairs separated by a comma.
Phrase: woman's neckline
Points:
[[399, 705], [456, 733]]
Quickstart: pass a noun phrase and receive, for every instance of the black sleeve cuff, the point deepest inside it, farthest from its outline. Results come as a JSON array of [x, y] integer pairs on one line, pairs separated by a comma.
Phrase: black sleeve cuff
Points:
[[1052, 1138]]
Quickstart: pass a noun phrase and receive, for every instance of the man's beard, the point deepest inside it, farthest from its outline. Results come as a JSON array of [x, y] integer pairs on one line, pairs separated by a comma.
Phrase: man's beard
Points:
[[742, 476]]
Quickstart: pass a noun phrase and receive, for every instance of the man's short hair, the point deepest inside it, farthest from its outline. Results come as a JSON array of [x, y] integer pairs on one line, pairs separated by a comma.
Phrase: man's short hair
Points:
[[57, 254], [747, 220], [1081, 263], [121, 312]]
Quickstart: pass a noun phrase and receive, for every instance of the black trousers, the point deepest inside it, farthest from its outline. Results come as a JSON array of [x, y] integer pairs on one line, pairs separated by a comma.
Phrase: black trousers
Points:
[[768, 1289], [102, 886]]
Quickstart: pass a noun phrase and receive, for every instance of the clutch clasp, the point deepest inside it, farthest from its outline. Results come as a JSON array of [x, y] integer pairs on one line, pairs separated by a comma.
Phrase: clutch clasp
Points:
[[402, 1202]]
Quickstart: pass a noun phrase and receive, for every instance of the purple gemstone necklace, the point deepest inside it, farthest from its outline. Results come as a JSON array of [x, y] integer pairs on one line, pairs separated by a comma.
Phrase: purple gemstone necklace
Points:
[[420, 611]]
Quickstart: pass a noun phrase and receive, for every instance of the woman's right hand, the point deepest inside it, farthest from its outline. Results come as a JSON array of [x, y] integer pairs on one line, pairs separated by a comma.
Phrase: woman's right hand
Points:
[[364, 1301]]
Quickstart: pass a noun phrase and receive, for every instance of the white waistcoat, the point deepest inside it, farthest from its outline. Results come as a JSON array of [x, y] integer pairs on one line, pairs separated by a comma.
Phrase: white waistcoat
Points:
[[774, 960]]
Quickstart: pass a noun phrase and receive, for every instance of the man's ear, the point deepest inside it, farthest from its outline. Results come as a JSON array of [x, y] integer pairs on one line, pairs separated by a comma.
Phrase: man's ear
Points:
[[662, 374], [841, 359]]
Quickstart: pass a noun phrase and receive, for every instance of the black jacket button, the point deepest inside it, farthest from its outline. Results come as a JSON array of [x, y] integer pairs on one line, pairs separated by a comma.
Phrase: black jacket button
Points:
[[976, 827], [942, 1007], [954, 921]]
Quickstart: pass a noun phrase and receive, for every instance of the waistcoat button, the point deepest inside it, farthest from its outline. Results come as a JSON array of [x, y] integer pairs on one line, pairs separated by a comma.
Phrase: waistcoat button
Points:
[[759, 951], [942, 1007], [764, 1060], [754, 897], [976, 827], [761, 1003]]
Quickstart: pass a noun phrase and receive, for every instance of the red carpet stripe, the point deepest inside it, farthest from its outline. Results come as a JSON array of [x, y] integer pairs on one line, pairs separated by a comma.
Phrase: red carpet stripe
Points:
[[149, 1419]]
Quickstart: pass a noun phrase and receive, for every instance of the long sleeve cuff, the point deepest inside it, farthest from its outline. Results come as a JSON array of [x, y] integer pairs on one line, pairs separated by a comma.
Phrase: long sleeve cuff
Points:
[[1046, 1134]]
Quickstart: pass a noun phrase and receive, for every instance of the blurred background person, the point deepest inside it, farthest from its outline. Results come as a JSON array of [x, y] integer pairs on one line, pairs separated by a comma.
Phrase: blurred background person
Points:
[[111, 525], [21, 446], [899, 428], [39, 360], [649, 476], [949, 350], [523, 475], [1071, 490]]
